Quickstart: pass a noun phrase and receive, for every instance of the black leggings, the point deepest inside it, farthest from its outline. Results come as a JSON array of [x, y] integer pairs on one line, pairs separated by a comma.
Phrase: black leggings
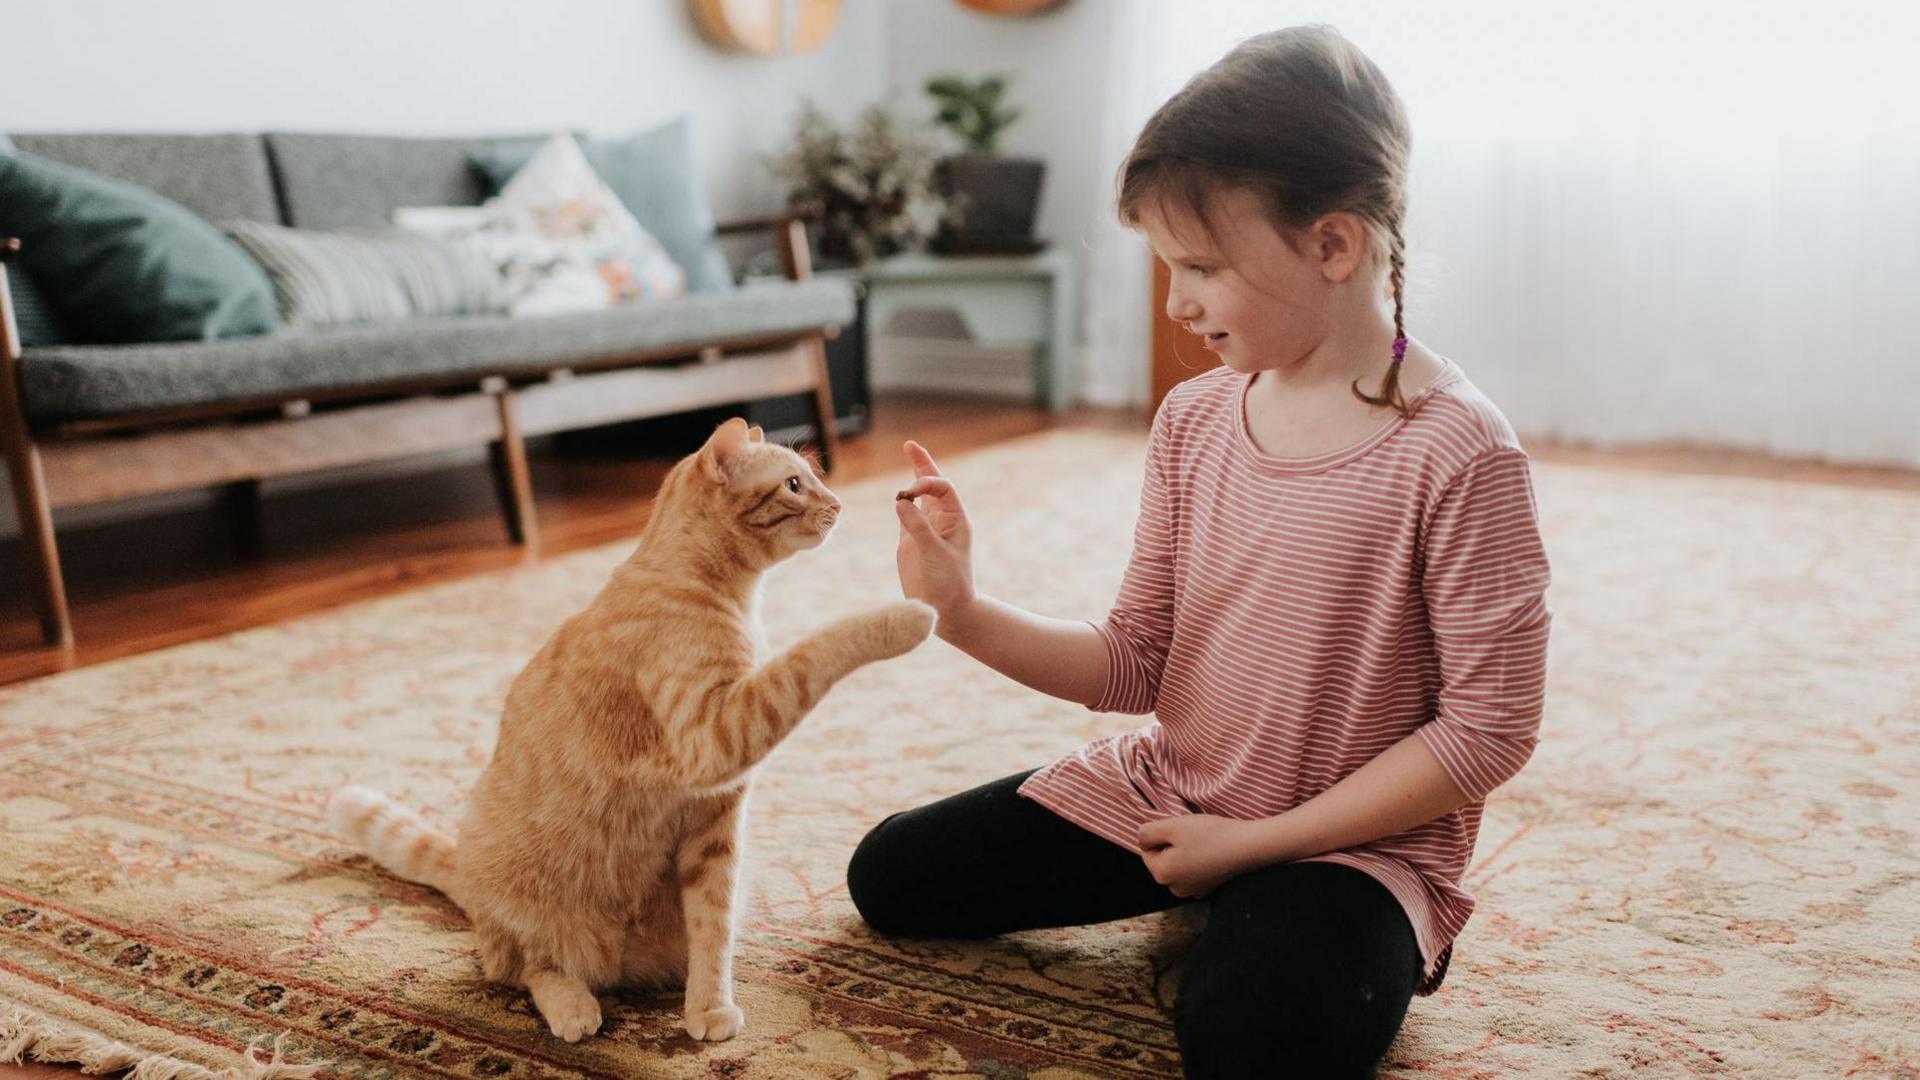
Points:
[[1304, 969]]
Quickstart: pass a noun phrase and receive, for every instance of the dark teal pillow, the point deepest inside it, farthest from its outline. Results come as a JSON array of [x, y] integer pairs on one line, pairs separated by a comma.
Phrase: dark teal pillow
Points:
[[124, 264], [653, 174]]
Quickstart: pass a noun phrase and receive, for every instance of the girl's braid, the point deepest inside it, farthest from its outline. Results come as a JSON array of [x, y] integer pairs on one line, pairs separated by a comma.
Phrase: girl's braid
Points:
[[1396, 262]]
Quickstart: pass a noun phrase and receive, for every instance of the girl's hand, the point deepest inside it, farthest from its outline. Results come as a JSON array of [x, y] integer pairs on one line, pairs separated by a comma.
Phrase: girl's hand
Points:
[[1196, 854], [935, 556]]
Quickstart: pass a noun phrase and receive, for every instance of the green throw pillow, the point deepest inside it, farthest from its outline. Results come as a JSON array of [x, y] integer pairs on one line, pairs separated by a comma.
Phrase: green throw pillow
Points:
[[653, 174], [123, 264]]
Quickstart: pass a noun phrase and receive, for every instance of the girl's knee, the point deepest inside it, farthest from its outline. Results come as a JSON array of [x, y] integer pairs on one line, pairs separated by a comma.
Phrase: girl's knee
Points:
[[1220, 1036], [1239, 1013], [874, 875]]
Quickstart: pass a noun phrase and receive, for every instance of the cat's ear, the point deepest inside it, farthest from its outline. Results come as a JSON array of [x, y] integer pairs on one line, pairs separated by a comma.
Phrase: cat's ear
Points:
[[722, 448], [754, 434]]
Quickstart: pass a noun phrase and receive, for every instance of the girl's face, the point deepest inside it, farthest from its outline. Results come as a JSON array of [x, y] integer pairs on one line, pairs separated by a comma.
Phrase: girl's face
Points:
[[1250, 296]]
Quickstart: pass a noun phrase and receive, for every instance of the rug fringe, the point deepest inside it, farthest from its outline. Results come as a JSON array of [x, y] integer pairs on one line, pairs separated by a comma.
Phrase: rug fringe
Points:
[[25, 1034]]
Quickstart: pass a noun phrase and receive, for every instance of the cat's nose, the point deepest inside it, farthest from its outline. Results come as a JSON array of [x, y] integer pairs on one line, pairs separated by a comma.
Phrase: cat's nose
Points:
[[834, 508]]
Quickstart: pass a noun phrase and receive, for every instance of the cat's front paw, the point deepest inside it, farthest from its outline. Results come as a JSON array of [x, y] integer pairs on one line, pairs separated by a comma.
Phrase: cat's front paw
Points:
[[904, 624], [717, 1024]]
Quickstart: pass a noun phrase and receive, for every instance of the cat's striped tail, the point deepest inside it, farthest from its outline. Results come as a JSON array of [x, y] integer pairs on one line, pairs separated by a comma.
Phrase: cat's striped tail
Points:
[[395, 837]]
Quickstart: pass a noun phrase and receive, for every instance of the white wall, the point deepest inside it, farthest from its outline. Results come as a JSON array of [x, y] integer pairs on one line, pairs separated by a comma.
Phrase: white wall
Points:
[[424, 67], [608, 66]]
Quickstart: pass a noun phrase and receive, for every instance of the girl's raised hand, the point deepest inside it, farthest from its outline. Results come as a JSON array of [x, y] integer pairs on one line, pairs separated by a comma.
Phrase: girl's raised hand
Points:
[[935, 556]]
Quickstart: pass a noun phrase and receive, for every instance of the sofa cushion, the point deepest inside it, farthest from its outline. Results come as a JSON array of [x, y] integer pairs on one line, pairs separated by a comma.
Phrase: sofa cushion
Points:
[[340, 278], [123, 264], [72, 382], [218, 177], [355, 181], [654, 175]]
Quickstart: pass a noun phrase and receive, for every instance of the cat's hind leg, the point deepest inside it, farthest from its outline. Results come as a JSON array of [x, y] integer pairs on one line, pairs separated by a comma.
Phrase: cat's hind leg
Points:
[[566, 1002], [500, 958], [565, 958]]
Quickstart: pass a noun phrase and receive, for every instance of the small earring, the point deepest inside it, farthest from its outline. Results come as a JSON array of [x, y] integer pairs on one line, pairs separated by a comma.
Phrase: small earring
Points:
[[1399, 348]]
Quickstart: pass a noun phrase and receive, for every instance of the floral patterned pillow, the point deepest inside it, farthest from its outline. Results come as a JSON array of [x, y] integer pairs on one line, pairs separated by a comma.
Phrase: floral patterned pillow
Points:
[[561, 238]]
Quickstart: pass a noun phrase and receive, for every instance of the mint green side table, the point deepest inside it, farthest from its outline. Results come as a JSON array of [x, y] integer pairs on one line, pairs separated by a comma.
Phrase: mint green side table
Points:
[[1003, 300]]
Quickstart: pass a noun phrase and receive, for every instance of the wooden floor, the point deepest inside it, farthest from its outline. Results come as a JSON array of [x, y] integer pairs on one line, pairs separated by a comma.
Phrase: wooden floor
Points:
[[145, 584]]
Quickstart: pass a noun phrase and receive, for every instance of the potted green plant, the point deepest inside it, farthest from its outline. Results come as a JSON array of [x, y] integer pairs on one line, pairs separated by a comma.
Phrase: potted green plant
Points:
[[870, 189], [995, 198]]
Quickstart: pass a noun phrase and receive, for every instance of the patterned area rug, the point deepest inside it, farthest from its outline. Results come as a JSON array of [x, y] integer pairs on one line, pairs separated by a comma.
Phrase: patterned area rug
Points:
[[1709, 868]]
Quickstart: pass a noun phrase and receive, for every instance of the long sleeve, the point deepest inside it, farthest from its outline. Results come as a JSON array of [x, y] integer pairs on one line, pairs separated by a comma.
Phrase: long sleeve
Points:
[[1484, 585], [1139, 629]]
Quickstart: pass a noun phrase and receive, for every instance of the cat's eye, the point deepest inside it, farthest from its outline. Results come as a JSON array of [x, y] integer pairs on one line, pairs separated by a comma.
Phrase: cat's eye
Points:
[[793, 484]]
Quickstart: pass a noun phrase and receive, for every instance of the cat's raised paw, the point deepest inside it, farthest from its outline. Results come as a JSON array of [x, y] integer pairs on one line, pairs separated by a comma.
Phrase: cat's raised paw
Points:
[[905, 623], [715, 1025]]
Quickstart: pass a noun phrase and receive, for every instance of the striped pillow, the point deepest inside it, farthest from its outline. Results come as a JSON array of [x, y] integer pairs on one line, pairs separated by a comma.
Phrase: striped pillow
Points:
[[323, 279]]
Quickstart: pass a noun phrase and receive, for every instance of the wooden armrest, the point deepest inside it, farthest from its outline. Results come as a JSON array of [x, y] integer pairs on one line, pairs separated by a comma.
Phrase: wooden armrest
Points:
[[789, 234], [749, 225], [771, 223], [9, 330]]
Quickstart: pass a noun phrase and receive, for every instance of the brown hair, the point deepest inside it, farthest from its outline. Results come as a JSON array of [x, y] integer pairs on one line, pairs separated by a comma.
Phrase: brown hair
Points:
[[1301, 118]]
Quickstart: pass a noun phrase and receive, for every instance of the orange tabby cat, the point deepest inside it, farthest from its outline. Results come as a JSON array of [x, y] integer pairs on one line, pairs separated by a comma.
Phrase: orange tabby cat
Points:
[[602, 843]]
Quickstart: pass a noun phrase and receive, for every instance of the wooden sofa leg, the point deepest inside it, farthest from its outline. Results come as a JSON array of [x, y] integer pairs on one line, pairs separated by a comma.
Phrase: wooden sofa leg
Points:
[[35, 513], [511, 480], [823, 402], [29, 479]]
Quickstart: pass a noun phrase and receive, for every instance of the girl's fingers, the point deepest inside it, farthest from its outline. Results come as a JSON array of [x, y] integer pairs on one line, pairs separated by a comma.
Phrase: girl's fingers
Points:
[[922, 461], [938, 486], [1158, 834], [916, 523]]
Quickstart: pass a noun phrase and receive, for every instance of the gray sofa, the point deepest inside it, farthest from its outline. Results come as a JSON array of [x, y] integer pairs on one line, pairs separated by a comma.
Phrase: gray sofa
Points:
[[87, 423]]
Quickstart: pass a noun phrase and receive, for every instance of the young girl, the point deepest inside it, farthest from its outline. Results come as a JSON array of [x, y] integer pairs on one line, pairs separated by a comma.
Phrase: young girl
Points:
[[1334, 607]]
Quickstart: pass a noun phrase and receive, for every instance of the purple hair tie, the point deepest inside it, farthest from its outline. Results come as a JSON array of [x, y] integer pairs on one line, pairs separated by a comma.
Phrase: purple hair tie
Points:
[[1399, 348]]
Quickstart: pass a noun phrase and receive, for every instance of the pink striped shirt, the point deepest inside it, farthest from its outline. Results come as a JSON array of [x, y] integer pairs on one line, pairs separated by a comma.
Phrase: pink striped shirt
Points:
[[1287, 620]]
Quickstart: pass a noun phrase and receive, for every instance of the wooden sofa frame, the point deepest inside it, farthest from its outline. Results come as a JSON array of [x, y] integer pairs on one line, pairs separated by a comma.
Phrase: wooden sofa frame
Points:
[[236, 444]]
